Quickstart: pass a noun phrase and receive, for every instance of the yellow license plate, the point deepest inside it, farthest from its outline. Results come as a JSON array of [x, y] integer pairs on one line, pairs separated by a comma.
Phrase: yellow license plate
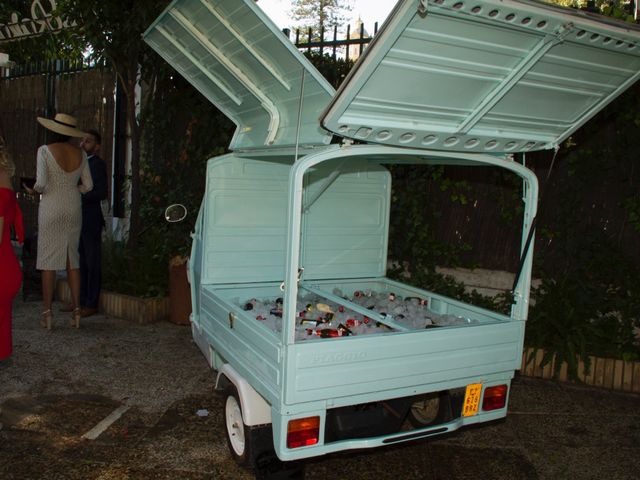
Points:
[[472, 400]]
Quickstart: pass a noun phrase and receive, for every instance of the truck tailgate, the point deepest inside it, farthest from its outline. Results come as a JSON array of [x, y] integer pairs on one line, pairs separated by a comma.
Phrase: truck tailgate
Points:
[[403, 362]]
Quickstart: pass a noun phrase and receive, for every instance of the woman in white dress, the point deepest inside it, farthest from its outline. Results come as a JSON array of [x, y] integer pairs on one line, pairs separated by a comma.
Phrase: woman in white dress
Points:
[[62, 174]]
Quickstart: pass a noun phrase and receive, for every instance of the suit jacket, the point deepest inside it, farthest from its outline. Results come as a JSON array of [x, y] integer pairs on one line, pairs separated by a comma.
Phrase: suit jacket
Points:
[[92, 218]]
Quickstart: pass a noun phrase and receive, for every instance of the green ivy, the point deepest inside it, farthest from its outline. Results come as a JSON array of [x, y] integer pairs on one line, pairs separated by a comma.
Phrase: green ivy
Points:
[[414, 245], [632, 207], [183, 131], [333, 69], [586, 254], [133, 271]]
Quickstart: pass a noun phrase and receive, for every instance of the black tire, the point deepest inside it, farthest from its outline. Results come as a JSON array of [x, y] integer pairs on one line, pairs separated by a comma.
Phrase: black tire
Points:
[[245, 443], [239, 438]]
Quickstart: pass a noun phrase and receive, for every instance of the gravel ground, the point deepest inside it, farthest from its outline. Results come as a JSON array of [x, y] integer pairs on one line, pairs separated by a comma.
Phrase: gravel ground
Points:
[[63, 382]]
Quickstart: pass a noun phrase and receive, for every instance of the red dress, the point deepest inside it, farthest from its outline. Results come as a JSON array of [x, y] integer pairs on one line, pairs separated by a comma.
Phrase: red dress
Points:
[[10, 273]]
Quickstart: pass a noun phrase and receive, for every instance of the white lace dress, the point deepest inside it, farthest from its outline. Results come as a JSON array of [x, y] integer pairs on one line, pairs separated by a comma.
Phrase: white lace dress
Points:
[[60, 210]]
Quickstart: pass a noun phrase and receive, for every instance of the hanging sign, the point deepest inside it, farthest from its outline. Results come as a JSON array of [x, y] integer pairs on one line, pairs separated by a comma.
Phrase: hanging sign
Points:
[[42, 21]]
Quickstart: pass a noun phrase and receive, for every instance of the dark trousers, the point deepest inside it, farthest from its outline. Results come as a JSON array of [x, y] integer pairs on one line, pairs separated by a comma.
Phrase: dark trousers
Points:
[[90, 266]]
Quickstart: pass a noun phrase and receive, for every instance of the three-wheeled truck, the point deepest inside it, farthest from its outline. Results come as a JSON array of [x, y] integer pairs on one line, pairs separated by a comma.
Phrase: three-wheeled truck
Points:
[[316, 349]]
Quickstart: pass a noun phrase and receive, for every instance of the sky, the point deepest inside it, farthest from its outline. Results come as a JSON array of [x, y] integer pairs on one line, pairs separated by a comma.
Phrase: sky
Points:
[[370, 11]]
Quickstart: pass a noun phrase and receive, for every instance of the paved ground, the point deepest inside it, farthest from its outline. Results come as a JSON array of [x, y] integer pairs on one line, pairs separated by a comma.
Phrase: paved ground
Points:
[[64, 382]]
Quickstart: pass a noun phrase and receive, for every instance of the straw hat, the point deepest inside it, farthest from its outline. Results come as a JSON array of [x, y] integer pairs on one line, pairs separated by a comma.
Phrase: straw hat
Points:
[[63, 124]]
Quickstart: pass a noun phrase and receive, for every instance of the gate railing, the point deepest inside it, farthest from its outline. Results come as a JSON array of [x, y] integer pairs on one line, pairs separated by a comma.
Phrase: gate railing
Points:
[[350, 46], [57, 67]]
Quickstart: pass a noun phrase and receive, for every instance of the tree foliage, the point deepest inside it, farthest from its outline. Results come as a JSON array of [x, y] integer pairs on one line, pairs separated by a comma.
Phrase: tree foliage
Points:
[[113, 29], [320, 14], [185, 130], [62, 45], [621, 9]]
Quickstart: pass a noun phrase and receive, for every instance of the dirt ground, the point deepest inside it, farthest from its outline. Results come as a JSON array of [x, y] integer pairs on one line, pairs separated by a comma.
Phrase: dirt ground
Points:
[[63, 383]]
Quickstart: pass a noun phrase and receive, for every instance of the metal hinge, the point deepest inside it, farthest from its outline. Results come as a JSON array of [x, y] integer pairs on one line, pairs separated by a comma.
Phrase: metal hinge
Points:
[[300, 270], [422, 8]]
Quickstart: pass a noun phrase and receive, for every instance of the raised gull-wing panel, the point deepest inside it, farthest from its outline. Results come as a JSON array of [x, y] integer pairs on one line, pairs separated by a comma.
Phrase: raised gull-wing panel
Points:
[[484, 76], [239, 60]]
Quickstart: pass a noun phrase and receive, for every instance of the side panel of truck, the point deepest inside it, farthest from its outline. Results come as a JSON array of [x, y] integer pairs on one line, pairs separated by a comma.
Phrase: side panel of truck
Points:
[[247, 346]]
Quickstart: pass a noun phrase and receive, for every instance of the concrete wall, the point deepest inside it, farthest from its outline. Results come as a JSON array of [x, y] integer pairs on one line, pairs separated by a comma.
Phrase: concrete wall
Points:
[[485, 282]]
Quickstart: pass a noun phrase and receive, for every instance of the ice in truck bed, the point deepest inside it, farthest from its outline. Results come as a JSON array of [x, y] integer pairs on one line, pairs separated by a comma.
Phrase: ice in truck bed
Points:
[[317, 317]]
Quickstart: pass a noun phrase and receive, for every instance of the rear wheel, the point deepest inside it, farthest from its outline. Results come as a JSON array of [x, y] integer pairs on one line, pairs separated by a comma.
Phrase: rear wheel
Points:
[[425, 411], [238, 435], [253, 447]]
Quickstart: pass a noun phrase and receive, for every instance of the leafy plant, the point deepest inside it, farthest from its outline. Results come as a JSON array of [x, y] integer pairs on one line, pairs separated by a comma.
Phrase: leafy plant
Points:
[[332, 69], [431, 280], [567, 320], [184, 131], [632, 207], [133, 271], [187, 131]]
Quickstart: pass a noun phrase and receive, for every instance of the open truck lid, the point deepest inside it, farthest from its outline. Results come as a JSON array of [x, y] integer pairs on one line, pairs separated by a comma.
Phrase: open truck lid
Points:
[[239, 60], [484, 76]]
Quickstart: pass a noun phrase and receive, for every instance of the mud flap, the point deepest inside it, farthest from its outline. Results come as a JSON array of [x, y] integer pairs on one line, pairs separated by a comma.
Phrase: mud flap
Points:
[[265, 462]]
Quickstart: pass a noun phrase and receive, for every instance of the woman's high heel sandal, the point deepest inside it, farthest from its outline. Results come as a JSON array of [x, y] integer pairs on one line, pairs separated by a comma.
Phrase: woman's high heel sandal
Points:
[[45, 319], [75, 319]]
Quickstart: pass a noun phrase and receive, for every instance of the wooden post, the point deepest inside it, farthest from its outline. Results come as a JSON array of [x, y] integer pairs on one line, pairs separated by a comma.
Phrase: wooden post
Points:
[[564, 372], [608, 377], [636, 378], [618, 372], [598, 374]]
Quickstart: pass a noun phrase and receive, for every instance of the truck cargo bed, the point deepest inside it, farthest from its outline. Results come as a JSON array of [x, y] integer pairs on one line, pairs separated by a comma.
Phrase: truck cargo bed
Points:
[[404, 360]]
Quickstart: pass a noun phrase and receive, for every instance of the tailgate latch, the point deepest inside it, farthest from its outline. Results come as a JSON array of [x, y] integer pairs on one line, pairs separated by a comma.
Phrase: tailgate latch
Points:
[[300, 270]]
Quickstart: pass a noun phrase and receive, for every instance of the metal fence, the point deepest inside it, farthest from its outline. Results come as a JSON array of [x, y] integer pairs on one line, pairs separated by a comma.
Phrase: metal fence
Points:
[[51, 67], [348, 45]]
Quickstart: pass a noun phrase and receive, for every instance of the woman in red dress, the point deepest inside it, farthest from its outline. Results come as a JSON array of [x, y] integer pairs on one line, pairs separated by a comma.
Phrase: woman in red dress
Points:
[[10, 273]]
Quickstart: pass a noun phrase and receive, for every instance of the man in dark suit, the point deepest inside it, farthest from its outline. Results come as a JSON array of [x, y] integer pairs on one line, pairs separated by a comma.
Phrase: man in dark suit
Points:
[[92, 225]]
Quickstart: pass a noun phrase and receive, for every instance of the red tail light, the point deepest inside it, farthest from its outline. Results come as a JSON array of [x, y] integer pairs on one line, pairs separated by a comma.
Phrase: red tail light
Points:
[[302, 432], [495, 397]]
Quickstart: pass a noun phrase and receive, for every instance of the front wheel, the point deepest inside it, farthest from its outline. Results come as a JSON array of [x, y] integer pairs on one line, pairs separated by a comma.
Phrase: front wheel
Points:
[[238, 435]]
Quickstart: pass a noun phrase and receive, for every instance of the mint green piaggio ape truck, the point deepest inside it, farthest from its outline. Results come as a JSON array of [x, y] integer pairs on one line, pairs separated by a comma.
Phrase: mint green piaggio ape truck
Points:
[[317, 351]]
